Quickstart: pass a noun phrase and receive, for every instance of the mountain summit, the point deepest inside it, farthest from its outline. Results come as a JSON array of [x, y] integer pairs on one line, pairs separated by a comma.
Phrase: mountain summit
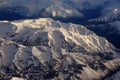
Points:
[[59, 39], [47, 49]]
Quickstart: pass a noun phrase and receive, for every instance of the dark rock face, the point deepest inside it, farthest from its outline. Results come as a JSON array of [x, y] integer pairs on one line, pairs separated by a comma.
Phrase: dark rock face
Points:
[[100, 26], [108, 31], [13, 13]]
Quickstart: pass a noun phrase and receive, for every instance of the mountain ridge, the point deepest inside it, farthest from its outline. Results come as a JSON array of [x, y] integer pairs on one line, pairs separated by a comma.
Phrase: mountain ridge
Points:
[[52, 47], [62, 39]]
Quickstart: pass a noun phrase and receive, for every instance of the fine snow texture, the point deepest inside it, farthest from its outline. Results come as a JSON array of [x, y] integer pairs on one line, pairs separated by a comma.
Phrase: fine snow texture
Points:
[[47, 49]]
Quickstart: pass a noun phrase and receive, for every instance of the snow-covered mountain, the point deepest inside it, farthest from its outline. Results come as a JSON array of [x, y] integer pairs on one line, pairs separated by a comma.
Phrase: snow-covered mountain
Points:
[[46, 39], [47, 49], [62, 9]]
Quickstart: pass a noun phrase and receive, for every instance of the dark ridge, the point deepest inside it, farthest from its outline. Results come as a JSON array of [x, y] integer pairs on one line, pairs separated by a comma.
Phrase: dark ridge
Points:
[[111, 73], [88, 14], [11, 14], [104, 31]]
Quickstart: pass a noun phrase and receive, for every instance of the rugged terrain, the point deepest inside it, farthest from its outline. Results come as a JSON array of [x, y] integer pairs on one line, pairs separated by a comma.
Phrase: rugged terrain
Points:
[[48, 49], [59, 39]]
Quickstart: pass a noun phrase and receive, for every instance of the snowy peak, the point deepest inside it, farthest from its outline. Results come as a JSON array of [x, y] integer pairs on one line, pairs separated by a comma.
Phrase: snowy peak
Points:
[[43, 39], [62, 10], [37, 48], [50, 30]]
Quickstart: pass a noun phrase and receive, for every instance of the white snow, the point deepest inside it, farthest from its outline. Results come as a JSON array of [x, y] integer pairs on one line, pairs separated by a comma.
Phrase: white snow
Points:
[[59, 44], [16, 78]]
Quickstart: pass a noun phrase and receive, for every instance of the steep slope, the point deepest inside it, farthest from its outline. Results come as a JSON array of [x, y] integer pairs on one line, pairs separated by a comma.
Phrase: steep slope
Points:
[[47, 49], [115, 76], [84, 12], [110, 30], [61, 9]]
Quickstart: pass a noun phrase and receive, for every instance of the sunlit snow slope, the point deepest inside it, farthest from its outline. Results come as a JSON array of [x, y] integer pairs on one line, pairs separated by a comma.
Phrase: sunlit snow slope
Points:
[[86, 12], [47, 49], [46, 39]]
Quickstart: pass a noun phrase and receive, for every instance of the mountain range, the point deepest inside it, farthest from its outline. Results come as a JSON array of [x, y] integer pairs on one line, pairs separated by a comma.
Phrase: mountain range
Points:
[[59, 40]]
